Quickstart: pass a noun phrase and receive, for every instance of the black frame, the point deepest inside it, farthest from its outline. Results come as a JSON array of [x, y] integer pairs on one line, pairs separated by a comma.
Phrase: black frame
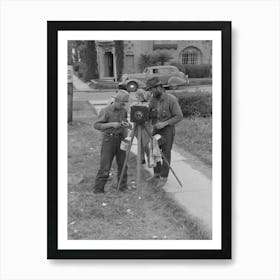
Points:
[[52, 239]]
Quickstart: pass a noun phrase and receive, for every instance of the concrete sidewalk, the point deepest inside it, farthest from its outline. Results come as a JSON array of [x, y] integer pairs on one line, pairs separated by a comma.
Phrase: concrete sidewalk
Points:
[[80, 85], [196, 194]]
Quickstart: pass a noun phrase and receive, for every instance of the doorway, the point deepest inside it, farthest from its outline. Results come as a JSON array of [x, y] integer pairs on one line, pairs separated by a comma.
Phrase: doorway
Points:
[[108, 65]]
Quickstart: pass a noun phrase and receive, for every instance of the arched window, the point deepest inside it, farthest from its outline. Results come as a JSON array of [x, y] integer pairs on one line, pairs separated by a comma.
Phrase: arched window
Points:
[[191, 55]]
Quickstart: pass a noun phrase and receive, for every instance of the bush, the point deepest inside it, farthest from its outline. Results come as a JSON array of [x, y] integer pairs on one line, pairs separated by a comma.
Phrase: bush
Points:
[[199, 105], [180, 66], [198, 70], [195, 70]]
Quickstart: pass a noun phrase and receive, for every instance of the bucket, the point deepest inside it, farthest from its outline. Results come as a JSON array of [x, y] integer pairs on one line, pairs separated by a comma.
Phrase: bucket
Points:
[[124, 145]]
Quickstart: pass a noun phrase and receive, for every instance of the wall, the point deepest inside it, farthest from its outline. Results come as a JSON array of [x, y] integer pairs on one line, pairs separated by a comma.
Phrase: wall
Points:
[[255, 138], [136, 48]]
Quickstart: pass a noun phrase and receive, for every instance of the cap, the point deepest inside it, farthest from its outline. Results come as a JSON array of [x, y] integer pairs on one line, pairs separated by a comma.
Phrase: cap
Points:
[[121, 95]]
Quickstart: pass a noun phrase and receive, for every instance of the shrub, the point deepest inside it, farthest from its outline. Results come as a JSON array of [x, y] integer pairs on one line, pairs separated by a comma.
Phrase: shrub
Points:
[[180, 66], [144, 61], [199, 105], [194, 70], [198, 70], [161, 58]]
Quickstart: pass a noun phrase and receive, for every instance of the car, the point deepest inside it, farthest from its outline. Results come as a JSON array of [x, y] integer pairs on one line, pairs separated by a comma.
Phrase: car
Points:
[[169, 75]]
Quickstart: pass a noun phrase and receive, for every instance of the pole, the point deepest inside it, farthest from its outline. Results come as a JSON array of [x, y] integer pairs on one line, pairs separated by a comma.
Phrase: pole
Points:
[[165, 159], [126, 158], [70, 93]]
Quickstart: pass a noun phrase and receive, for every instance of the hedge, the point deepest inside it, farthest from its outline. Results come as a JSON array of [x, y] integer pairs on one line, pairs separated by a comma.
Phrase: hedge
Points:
[[198, 105], [195, 70]]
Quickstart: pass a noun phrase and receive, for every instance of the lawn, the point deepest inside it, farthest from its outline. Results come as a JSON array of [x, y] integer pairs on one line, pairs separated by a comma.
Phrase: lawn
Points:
[[195, 136], [123, 215], [200, 81]]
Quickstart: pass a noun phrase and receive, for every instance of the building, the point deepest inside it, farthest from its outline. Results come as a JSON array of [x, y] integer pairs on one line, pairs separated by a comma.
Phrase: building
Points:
[[185, 52]]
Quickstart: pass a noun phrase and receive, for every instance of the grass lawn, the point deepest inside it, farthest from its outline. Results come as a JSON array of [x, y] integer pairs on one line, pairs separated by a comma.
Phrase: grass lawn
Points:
[[200, 81], [195, 136], [122, 216]]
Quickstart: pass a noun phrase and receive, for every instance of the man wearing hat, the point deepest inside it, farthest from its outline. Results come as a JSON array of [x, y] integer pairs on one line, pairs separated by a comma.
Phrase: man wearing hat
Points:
[[112, 121], [168, 113]]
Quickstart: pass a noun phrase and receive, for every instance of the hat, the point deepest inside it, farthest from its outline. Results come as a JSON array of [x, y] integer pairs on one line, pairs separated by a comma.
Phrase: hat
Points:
[[153, 82], [121, 95]]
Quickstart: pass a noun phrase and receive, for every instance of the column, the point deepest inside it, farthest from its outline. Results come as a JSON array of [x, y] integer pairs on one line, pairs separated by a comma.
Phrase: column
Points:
[[114, 64]]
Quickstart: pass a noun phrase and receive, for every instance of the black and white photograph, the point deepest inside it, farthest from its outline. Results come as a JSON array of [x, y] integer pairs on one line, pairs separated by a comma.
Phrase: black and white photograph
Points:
[[139, 140], [138, 120]]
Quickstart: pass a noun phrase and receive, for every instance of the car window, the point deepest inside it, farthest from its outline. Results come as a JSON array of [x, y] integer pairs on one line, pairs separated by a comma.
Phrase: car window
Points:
[[154, 71]]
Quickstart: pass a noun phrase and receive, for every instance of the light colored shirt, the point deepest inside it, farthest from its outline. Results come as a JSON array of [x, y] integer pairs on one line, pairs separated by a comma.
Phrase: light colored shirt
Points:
[[110, 114]]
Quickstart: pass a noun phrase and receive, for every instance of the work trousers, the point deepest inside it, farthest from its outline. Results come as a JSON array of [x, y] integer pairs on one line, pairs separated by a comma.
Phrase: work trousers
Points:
[[167, 134], [111, 148]]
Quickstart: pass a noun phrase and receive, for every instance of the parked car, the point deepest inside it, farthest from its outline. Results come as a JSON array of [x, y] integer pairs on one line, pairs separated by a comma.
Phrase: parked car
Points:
[[170, 76]]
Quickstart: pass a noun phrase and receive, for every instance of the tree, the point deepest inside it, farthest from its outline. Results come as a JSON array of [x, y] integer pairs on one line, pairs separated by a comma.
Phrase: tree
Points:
[[119, 46], [161, 57], [144, 61], [90, 59]]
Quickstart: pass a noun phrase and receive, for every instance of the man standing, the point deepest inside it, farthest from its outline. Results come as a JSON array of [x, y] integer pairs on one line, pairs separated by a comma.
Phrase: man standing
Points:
[[168, 113], [112, 121]]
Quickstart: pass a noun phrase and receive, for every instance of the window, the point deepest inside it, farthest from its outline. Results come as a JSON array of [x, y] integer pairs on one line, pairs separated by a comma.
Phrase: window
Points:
[[191, 55]]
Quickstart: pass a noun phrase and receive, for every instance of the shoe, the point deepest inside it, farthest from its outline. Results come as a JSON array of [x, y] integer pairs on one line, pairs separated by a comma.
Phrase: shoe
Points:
[[97, 191], [153, 179], [123, 189], [161, 182]]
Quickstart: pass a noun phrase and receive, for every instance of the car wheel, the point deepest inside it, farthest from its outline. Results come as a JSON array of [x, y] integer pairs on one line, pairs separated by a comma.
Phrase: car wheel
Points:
[[132, 86]]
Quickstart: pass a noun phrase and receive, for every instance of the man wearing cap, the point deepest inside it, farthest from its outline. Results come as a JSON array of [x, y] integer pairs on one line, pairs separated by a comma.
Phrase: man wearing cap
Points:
[[112, 121], [168, 113]]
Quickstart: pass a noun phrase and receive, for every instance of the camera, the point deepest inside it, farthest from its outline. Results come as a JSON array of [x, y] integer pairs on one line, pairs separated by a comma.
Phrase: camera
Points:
[[140, 114]]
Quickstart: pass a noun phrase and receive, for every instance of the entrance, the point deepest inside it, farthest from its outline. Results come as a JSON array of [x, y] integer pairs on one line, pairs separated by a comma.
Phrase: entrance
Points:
[[108, 65]]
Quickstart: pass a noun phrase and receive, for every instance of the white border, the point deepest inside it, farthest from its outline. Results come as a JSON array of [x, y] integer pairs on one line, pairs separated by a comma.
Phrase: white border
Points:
[[63, 242]]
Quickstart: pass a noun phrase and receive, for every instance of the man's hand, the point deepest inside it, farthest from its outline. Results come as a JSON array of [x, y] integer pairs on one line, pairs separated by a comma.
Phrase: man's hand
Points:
[[115, 124], [160, 125]]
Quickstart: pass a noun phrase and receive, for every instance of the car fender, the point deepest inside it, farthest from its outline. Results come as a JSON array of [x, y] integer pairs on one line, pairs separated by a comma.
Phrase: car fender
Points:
[[140, 83], [176, 81]]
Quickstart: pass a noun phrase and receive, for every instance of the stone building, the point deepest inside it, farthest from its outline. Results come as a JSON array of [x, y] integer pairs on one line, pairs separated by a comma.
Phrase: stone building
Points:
[[185, 52]]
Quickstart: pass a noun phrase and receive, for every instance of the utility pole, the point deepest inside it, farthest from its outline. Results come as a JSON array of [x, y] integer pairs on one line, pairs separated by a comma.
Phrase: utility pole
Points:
[[70, 83], [70, 93]]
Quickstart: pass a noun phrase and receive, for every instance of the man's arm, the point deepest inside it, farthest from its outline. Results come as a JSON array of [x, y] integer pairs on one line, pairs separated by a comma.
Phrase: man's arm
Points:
[[102, 121], [176, 112]]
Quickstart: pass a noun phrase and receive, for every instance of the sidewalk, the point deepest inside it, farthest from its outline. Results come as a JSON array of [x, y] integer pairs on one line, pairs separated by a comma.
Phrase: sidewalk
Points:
[[196, 194], [80, 85]]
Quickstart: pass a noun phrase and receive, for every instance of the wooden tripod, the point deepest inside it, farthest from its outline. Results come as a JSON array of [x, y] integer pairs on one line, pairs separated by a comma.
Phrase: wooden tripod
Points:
[[139, 128]]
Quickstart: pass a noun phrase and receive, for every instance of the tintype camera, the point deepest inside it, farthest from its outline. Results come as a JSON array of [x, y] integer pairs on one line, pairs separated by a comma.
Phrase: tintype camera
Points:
[[140, 114]]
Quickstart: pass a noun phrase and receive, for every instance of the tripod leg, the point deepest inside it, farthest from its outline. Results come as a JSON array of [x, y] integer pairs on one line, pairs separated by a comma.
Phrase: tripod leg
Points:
[[139, 139], [165, 159], [126, 158]]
